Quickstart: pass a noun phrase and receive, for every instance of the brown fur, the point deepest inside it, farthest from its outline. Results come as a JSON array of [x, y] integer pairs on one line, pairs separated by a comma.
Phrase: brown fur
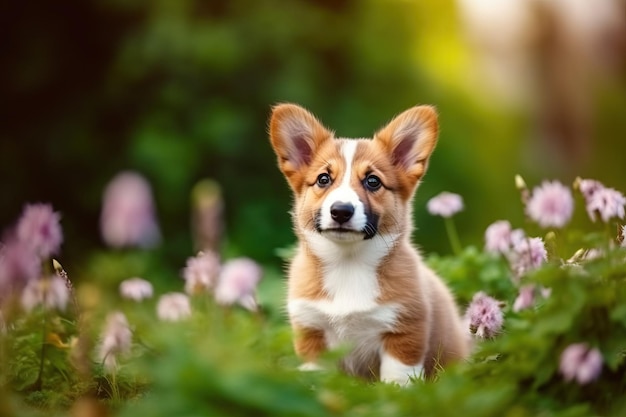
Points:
[[428, 325]]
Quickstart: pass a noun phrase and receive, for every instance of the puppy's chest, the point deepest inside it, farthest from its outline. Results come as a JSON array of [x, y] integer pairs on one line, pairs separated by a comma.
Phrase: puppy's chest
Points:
[[351, 312]]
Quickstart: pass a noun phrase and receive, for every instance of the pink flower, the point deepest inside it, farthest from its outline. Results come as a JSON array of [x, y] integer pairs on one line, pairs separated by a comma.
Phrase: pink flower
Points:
[[116, 340], [580, 363], [608, 203], [484, 315], [525, 298], [498, 237], [51, 292], [445, 204], [40, 228], [528, 254], [237, 283], [588, 187], [18, 265], [136, 289], [201, 272], [551, 204], [174, 306], [128, 213]]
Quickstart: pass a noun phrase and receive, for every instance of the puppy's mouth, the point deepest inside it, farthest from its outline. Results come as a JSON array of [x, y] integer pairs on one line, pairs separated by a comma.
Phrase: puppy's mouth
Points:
[[343, 234]]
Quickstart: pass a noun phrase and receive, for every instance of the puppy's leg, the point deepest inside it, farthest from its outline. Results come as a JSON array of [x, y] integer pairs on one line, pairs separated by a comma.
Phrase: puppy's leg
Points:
[[401, 358], [309, 344]]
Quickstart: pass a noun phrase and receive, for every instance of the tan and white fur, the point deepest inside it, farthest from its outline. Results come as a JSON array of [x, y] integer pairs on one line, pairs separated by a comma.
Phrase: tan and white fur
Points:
[[356, 280]]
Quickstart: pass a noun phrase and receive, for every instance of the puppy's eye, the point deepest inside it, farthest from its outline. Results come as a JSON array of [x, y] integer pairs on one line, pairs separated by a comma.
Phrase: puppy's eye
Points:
[[323, 180], [372, 182]]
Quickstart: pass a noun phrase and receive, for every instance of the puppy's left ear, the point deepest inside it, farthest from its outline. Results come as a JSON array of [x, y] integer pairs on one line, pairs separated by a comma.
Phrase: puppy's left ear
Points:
[[410, 139]]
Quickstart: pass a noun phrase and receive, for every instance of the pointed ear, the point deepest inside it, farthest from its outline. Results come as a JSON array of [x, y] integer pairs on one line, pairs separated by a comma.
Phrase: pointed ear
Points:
[[295, 135], [410, 139]]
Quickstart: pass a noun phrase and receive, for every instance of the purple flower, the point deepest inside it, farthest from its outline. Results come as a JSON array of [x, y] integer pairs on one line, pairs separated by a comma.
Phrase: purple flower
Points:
[[128, 214], [551, 204], [18, 265], [173, 306], [498, 237], [580, 363], [528, 254], [484, 315], [136, 289], [116, 340], [40, 228], [588, 187], [201, 272], [608, 203], [237, 283], [525, 298], [51, 292], [445, 204]]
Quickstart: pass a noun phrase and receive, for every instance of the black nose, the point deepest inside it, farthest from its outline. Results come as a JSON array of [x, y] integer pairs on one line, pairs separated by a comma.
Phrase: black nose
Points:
[[341, 212]]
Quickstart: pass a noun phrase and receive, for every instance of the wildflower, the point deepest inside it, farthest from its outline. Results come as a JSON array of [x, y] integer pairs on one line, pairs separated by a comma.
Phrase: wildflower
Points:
[[237, 283], [525, 298], [528, 254], [116, 340], [608, 203], [498, 237], [445, 204], [551, 204], [173, 306], [485, 315], [51, 292], [18, 265], [580, 363], [201, 272], [136, 289], [128, 213], [40, 228], [587, 187]]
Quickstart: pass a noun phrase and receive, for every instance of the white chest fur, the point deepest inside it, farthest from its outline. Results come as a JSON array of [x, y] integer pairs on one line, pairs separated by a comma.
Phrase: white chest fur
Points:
[[350, 315]]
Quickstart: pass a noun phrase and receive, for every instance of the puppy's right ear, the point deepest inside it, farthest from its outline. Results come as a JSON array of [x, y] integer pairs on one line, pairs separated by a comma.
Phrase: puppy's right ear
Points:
[[295, 135]]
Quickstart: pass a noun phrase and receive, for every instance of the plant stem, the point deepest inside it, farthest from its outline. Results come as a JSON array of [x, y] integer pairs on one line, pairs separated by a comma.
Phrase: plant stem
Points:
[[39, 382], [453, 236]]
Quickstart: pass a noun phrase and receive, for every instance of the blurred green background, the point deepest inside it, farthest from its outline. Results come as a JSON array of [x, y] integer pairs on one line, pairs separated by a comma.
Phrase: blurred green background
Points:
[[181, 90]]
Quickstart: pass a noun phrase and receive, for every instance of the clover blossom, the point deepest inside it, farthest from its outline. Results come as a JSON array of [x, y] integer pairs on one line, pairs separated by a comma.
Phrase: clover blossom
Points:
[[39, 226], [51, 292], [550, 205], [445, 204], [525, 298], [128, 214], [484, 315], [527, 254], [201, 272], [500, 238], [173, 306], [116, 340], [581, 363], [237, 283], [18, 265], [136, 289], [606, 202]]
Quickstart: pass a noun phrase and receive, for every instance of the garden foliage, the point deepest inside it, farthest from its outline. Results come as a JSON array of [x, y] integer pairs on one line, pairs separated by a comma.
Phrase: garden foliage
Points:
[[557, 345]]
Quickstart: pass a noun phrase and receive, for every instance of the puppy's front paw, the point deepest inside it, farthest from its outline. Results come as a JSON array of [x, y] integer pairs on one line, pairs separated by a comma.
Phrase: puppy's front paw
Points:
[[396, 372], [309, 366]]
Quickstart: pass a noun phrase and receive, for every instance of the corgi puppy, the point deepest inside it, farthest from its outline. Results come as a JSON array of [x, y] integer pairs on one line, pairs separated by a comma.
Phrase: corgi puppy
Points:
[[356, 280]]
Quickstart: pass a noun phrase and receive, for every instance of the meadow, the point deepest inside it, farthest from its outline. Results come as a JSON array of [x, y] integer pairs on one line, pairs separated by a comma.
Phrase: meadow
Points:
[[547, 315]]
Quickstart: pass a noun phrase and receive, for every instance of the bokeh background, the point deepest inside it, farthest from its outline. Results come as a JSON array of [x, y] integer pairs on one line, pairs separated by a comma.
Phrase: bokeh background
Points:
[[181, 91]]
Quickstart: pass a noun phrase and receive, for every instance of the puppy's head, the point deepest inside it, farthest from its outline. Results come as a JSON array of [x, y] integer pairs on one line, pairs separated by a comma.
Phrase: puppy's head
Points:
[[352, 189]]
